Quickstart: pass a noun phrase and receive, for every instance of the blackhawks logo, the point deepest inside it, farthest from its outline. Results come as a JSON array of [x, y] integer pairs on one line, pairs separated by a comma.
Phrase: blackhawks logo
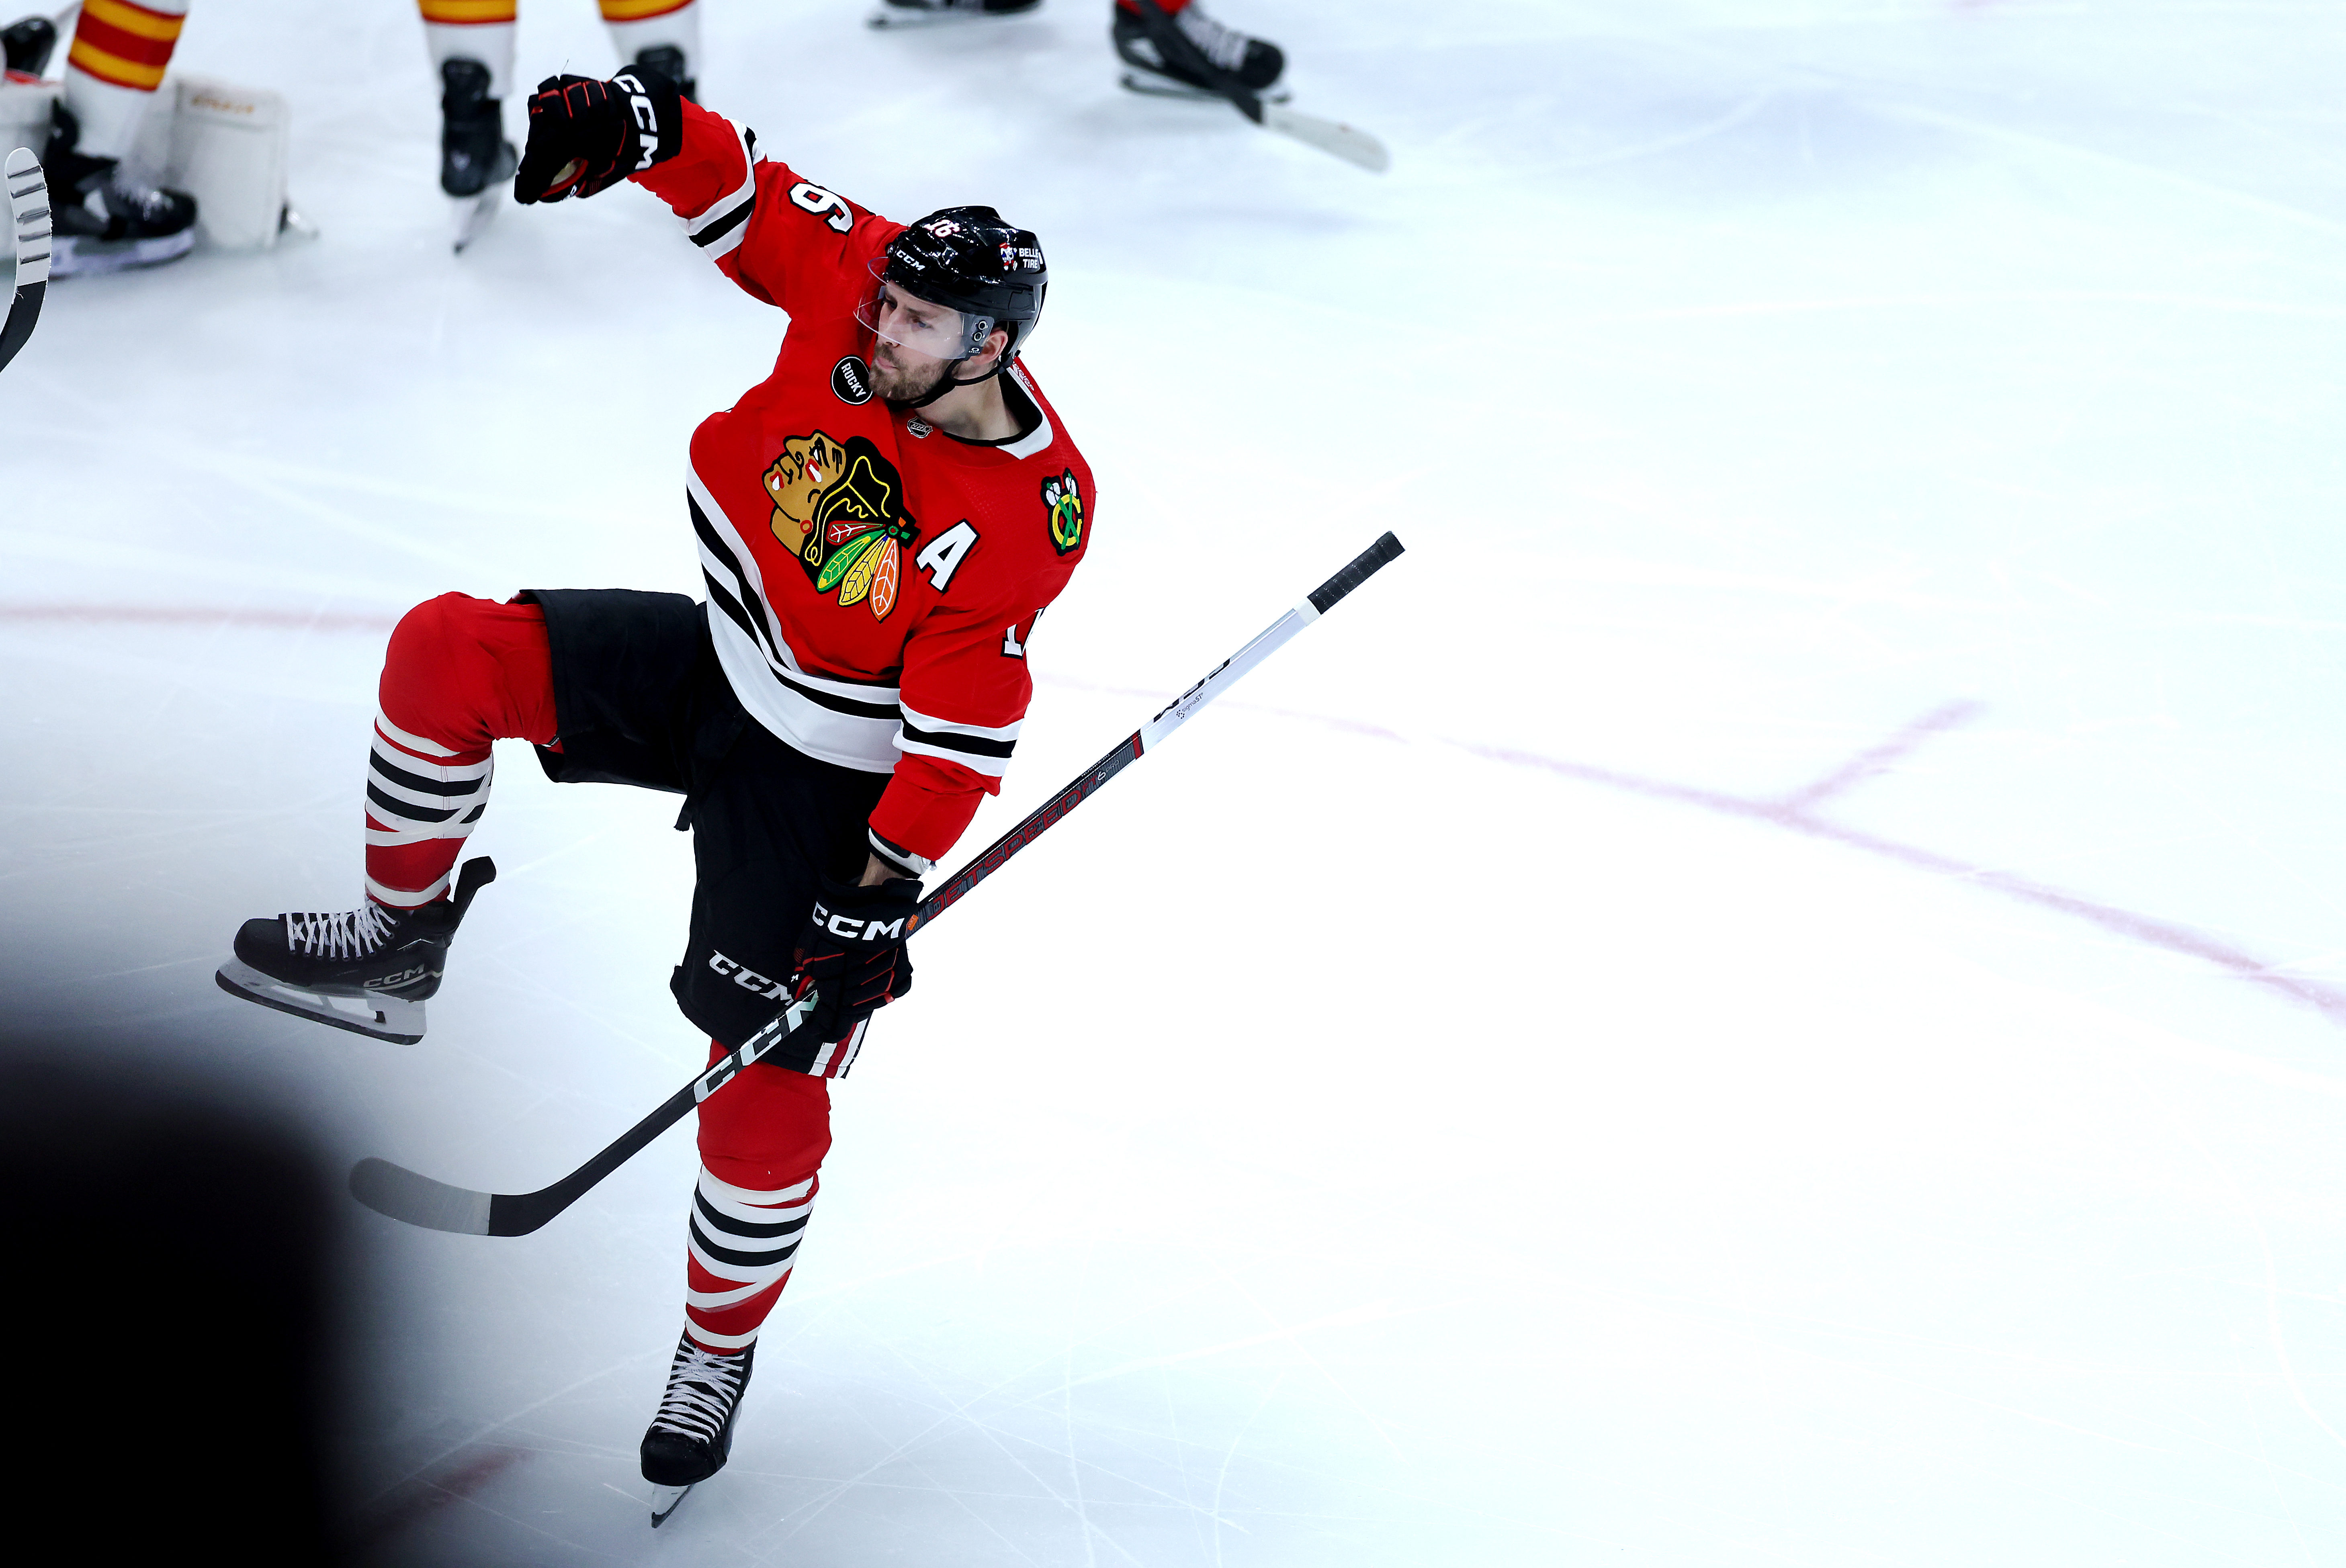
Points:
[[1066, 502], [840, 510]]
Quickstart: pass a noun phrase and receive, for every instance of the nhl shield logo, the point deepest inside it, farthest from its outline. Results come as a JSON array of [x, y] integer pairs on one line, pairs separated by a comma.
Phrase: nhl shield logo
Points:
[[851, 379]]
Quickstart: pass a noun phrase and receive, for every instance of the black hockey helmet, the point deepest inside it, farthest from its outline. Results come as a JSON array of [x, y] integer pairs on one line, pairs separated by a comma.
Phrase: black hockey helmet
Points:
[[969, 259]]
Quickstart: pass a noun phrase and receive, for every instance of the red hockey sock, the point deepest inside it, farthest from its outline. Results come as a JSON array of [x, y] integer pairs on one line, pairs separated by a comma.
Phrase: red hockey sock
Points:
[[1169, 6], [460, 673], [762, 1139]]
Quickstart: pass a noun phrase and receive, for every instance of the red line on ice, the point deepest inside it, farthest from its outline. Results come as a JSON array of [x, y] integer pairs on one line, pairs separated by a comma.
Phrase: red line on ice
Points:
[[2146, 929], [1789, 812]]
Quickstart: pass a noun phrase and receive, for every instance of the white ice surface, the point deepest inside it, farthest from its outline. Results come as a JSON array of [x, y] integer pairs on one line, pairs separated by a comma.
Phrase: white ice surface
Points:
[[1433, 1112]]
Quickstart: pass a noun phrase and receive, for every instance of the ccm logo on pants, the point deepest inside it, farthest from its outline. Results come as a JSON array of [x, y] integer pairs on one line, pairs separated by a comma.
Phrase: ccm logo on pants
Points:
[[749, 979]]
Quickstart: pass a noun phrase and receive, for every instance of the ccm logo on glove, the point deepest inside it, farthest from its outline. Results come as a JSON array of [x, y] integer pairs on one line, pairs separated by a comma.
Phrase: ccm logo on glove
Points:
[[850, 929]]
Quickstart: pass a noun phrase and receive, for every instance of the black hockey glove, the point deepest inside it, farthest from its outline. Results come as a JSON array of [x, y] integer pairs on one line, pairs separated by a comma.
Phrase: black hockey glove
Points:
[[586, 136], [851, 952]]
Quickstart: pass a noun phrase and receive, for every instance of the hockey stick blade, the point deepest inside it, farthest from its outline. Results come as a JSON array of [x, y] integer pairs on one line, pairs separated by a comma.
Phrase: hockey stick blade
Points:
[[29, 208], [418, 1200], [411, 1198], [1354, 147]]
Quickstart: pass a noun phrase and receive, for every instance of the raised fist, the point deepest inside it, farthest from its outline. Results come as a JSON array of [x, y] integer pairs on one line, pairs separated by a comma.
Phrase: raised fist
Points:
[[586, 136]]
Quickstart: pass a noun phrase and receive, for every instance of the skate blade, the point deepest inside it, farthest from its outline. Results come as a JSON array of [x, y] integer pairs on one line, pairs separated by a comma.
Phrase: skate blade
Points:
[[1153, 86], [71, 257], [664, 1501], [469, 215], [389, 1018], [887, 17]]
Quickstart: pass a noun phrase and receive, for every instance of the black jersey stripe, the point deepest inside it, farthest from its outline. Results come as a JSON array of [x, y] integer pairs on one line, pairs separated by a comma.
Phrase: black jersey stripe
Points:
[[748, 612], [727, 224], [976, 745], [724, 600]]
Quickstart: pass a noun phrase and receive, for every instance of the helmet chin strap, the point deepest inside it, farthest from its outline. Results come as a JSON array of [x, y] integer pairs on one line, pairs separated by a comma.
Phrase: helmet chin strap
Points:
[[946, 383]]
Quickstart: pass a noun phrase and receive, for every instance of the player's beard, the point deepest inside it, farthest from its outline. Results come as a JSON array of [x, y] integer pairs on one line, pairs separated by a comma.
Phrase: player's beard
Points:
[[902, 386]]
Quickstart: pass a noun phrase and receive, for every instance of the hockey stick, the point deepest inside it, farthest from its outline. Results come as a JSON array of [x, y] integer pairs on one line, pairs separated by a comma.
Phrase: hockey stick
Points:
[[1352, 146], [404, 1194], [28, 203]]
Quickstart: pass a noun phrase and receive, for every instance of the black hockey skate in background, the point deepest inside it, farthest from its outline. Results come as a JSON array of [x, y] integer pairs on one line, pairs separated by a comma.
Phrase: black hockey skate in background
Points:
[[1181, 62]]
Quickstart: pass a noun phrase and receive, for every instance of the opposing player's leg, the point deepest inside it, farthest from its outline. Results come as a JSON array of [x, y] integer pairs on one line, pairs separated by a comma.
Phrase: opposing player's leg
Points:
[[1256, 63], [762, 1143], [472, 47], [663, 35], [106, 215], [460, 673]]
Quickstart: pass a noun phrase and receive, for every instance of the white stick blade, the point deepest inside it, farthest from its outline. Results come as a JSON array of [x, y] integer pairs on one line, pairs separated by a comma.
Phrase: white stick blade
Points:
[[28, 205], [1329, 135], [403, 1196]]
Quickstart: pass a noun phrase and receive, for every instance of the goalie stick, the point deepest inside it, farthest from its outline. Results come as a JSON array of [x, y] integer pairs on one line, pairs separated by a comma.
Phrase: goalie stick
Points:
[[1357, 147], [404, 1195], [28, 205]]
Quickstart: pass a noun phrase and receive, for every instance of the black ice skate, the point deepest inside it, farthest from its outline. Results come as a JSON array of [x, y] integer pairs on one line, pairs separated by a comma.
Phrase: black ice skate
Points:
[[931, 13], [474, 157], [103, 216], [1184, 68], [367, 970], [692, 1435], [669, 62], [26, 45]]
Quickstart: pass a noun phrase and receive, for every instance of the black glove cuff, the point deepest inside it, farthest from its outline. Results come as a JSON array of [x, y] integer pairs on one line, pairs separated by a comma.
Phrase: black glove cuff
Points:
[[665, 136]]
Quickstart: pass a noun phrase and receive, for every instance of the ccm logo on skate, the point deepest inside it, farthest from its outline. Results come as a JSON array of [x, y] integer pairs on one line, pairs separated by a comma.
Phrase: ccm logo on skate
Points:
[[386, 982], [851, 379], [850, 930]]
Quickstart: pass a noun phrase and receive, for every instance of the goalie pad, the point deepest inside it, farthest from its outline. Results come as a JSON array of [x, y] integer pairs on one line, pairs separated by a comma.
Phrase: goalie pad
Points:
[[24, 112], [228, 147]]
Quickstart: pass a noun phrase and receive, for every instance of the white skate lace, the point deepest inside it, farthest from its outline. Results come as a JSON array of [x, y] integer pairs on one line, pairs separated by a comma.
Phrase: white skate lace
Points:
[[132, 197], [347, 933], [700, 1411], [1225, 46]]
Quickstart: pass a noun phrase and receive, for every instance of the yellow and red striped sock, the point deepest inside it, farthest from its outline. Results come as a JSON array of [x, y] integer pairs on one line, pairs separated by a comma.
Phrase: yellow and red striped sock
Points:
[[639, 25], [119, 50]]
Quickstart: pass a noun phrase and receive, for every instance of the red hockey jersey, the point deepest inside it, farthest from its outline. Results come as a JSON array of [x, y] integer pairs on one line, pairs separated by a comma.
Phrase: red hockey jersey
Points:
[[872, 580]]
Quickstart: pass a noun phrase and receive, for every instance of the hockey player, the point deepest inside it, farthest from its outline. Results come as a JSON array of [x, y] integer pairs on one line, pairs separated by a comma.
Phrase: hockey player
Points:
[[1255, 62], [106, 215], [879, 523], [471, 45]]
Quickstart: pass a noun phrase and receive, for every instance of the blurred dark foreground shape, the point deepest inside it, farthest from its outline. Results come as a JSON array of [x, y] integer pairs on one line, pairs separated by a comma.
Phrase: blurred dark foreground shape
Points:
[[176, 1269]]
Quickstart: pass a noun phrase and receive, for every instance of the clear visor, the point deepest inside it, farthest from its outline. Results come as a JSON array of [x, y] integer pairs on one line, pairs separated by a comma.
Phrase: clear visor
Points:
[[921, 325]]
